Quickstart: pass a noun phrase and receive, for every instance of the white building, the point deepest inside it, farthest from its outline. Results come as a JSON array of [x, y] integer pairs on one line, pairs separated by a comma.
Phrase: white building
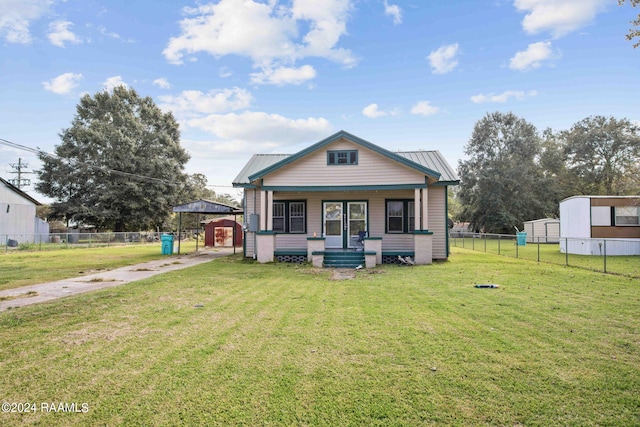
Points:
[[545, 230], [591, 225], [18, 221]]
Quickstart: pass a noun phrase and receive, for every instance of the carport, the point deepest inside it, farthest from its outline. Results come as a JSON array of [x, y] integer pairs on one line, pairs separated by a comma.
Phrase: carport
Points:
[[205, 207]]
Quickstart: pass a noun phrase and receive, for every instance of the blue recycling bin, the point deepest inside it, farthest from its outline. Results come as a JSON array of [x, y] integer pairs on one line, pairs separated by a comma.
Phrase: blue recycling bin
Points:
[[522, 238], [167, 244]]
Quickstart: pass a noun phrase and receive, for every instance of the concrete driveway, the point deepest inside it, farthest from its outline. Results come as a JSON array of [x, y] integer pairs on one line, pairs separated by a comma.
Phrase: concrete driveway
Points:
[[34, 294]]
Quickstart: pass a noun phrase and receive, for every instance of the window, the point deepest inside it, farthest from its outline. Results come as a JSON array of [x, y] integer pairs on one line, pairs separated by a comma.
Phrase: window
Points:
[[289, 217], [401, 216], [342, 157], [627, 215]]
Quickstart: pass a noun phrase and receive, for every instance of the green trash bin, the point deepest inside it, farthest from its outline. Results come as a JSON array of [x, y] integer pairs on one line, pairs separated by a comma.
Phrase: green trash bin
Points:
[[522, 238], [167, 244]]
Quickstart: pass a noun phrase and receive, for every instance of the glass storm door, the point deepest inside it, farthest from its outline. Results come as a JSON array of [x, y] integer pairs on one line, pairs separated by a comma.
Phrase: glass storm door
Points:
[[342, 223], [357, 214], [333, 224]]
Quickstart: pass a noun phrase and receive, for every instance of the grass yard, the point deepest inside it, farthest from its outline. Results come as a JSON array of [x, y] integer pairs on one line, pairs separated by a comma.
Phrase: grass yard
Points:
[[232, 342], [18, 268], [550, 253]]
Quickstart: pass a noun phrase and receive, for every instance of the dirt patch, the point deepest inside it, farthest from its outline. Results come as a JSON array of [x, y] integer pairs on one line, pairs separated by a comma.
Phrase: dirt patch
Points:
[[342, 274], [100, 280], [29, 294]]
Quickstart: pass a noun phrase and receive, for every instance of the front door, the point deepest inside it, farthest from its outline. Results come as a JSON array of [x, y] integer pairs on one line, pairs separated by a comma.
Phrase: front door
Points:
[[342, 223]]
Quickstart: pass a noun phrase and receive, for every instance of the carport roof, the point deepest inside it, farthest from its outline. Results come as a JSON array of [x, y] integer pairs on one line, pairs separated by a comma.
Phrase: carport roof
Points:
[[207, 207]]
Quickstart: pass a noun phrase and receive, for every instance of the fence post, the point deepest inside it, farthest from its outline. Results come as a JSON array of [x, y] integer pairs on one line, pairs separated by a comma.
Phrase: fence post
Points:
[[517, 245], [473, 241], [485, 242], [566, 251], [498, 244], [538, 249], [605, 255]]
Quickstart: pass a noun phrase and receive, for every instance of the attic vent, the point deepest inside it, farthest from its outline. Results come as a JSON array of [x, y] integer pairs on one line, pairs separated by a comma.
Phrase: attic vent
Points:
[[342, 157]]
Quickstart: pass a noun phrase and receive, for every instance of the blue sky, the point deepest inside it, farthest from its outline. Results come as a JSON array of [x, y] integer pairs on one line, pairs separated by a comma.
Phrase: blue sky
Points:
[[250, 76]]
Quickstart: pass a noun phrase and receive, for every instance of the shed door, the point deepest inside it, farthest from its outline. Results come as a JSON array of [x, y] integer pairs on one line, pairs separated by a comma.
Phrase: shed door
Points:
[[223, 236]]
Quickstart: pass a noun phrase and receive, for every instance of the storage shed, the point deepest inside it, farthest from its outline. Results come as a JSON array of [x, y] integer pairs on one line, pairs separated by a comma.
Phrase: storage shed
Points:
[[545, 230], [219, 232]]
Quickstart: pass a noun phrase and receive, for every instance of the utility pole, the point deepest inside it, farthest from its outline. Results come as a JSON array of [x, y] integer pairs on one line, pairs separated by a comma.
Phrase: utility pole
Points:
[[20, 181]]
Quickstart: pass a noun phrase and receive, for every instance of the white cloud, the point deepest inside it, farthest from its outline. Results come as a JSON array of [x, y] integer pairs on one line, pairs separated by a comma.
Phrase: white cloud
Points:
[[372, 111], [533, 57], [16, 16], [162, 82], [268, 33], [424, 108], [444, 59], [394, 11], [559, 17], [63, 84], [113, 82], [193, 103], [225, 72], [284, 75], [59, 33], [503, 97], [258, 130]]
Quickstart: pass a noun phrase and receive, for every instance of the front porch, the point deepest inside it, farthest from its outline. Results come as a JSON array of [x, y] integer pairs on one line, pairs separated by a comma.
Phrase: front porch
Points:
[[369, 255]]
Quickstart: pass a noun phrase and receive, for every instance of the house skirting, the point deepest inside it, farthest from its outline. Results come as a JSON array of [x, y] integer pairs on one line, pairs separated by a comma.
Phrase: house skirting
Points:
[[372, 251]]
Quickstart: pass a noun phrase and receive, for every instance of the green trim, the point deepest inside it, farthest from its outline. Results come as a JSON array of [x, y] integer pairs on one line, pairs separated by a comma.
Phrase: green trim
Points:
[[352, 138], [424, 232], [446, 219], [373, 238], [318, 188], [315, 238], [236, 185], [290, 252], [398, 252], [287, 215], [265, 232], [348, 252], [336, 152], [345, 236], [445, 183], [405, 216]]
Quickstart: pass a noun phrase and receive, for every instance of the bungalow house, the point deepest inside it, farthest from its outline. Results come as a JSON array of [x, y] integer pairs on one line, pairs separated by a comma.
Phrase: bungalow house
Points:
[[591, 225], [345, 201]]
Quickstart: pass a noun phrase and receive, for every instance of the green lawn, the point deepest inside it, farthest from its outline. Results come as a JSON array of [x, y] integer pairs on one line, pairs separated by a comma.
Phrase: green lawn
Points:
[[550, 253], [232, 342], [22, 268]]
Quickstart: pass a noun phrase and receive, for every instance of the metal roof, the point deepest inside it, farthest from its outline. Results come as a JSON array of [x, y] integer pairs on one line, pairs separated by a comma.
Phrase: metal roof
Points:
[[432, 160], [256, 163]]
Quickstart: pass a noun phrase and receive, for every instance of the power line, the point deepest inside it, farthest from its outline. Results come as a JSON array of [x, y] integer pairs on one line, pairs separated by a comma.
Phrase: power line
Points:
[[39, 152], [20, 181]]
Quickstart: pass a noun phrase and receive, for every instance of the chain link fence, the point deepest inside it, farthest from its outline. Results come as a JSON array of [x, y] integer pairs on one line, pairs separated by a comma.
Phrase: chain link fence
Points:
[[595, 254], [68, 240]]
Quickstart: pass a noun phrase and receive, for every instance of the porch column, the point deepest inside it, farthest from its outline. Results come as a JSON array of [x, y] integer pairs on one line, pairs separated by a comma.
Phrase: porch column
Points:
[[266, 242], [263, 204], [423, 247], [269, 210], [417, 209], [425, 208]]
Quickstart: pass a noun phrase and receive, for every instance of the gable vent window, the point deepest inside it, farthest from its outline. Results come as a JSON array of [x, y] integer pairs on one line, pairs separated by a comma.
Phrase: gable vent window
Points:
[[342, 157]]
